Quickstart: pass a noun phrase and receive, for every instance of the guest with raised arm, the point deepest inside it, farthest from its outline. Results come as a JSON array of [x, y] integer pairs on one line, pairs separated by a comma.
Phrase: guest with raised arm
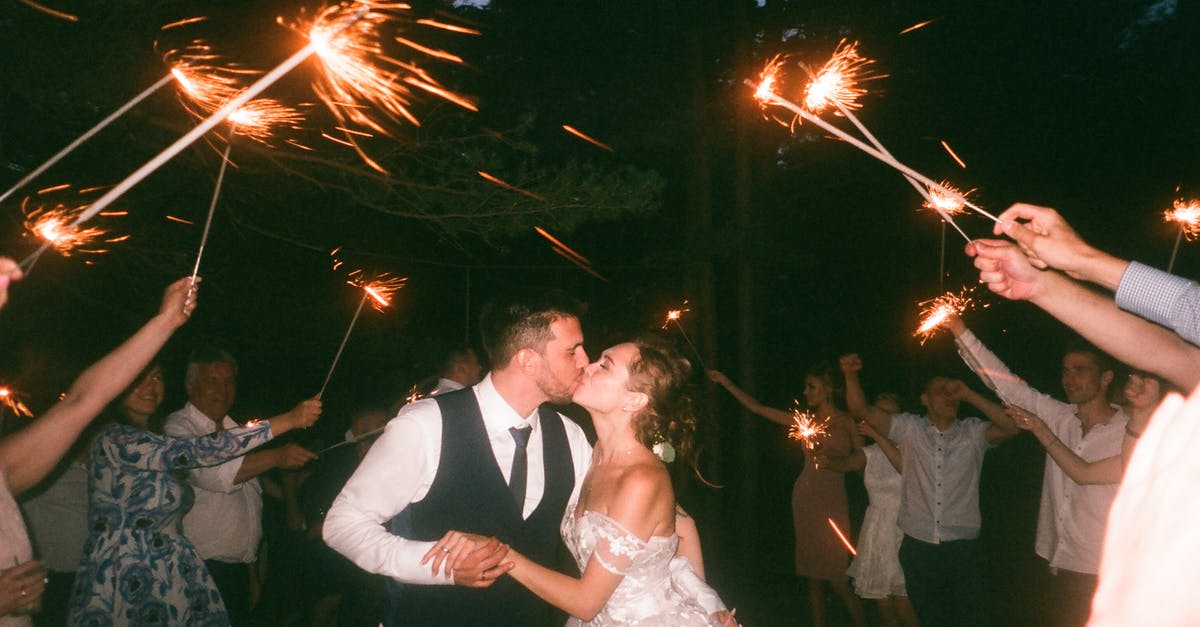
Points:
[[939, 501], [29, 454], [819, 495], [138, 568]]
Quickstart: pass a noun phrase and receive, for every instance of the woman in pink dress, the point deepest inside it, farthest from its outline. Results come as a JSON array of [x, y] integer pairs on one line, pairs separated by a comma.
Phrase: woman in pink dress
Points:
[[819, 495]]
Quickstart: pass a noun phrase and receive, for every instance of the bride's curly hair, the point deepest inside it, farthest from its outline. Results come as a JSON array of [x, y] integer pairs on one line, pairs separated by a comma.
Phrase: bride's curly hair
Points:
[[663, 376]]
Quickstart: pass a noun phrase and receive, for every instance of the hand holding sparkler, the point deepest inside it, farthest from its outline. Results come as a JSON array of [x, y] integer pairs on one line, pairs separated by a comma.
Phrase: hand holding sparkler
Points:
[[1049, 242], [1006, 270], [9, 272], [303, 415], [179, 301]]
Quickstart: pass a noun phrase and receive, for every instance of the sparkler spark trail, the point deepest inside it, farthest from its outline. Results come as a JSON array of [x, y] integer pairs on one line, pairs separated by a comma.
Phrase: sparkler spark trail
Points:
[[506, 185], [361, 84], [1187, 215], [807, 428], [62, 15], [953, 155], [936, 311], [917, 26], [581, 135], [568, 253], [841, 536]]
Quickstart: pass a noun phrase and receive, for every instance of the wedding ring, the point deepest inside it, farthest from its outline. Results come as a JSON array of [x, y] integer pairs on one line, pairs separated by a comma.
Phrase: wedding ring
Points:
[[445, 549], [23, 593]]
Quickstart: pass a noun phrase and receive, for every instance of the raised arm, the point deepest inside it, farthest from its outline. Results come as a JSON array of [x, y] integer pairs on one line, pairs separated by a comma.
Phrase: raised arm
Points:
[[1107, 470], [886, 445], [749, 402], [1002, 427], [1128, 338], [856, 398], [28, 455], [288, 456], [1143, 394]]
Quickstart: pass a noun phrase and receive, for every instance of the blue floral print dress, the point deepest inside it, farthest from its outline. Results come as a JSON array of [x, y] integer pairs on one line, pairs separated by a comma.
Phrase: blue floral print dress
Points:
[[137, 568]]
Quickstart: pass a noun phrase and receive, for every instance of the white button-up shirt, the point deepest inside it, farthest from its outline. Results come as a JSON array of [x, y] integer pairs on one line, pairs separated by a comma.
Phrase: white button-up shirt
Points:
[[1071, 517], [225, 524], [939, 499], [401, 466]]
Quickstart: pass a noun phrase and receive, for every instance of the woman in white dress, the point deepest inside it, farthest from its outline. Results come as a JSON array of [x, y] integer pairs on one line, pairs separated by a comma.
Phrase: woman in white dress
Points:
[[622, 529], [876, 569]]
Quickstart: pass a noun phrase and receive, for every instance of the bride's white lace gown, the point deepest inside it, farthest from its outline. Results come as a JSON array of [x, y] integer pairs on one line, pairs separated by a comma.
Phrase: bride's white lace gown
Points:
[[648, 595]]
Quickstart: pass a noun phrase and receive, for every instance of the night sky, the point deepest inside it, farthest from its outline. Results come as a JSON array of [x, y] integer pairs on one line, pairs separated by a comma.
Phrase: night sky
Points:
[[790, 247]]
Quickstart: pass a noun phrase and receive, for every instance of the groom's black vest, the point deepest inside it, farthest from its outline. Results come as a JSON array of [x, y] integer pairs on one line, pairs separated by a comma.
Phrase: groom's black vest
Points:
[[469, 494]]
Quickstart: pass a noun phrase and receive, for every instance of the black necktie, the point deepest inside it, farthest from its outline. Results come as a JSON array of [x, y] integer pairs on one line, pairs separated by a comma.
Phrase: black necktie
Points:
[[520, 465]]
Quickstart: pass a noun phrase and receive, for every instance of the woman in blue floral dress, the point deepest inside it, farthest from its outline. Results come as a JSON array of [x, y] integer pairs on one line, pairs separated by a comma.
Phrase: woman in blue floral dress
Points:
[[138, 568]]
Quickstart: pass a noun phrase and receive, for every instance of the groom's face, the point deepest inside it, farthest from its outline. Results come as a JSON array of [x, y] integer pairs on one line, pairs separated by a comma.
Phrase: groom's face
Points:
[[562, 361]]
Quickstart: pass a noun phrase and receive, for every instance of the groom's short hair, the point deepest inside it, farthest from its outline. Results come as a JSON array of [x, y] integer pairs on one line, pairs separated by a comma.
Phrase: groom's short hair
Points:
[[512, 323]]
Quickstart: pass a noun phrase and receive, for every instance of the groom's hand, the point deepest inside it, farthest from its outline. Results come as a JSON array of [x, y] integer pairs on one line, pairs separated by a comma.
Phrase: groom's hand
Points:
[[482, 566]]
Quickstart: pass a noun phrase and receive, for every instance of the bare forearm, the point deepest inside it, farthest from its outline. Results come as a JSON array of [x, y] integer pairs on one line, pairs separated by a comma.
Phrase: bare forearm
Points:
[[54, 432], [566, 593], [1104, 471], [255, 464], [752, 405], [1128, 338]]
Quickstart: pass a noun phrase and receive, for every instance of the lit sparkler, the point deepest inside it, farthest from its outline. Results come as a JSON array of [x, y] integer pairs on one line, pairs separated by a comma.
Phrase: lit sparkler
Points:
[[378, 289], [55, 226], [807, 428], [935, 312], [673, 317], [362, 85], [841, 536], [9, 399], [767, 93], [839, 80], [414, 394], [1187, 214]]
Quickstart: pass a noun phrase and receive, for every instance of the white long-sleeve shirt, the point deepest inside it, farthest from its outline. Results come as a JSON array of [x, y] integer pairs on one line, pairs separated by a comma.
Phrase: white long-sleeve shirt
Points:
[[1071, 517], [401, 466], [225, 524]]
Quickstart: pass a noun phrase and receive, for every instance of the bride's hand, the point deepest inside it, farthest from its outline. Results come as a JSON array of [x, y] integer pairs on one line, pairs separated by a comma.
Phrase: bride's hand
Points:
[[725, 618], [450, 549]]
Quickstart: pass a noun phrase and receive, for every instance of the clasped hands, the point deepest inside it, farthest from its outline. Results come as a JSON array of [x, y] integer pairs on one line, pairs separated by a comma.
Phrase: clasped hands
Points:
[[473, 561]]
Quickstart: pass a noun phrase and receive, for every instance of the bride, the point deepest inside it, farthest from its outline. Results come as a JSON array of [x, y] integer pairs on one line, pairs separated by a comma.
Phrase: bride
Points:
[[622, 529]]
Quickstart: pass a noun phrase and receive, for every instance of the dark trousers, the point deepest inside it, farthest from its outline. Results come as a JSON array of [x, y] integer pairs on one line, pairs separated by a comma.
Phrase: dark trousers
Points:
[[945, 582], [1071, 598], [233, 581]]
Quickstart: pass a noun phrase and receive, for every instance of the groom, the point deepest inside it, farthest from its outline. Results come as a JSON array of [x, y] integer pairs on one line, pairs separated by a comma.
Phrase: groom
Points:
[[489, 460]]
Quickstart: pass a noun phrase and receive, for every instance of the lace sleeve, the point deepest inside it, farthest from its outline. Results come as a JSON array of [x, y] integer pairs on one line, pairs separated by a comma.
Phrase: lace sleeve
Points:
[[138, 448], [615, 545]]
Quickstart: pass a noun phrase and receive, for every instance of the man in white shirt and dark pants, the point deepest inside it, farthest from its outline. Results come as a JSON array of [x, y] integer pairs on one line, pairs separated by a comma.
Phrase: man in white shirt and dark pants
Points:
[[489, 460], [939, 503], [225, 523]]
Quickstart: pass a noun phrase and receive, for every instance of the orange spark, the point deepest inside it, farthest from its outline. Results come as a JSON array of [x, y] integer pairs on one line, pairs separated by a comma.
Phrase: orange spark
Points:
[[1187, 214], [768, 79], [51, 12], [55, 225], [954, 155], [9, 399], [947, 199], [917, 25], [507, 185], [673, 315], [806, 427], [936, 311], [183, 22], [463, 30], [379, 288], [414, 394], [360, 83], [841, 536], [581, 135], [180, 220], [838, 80]]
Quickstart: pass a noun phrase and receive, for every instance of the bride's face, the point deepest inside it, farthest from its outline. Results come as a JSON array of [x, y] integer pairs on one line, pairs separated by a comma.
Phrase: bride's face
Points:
[[605, 383]]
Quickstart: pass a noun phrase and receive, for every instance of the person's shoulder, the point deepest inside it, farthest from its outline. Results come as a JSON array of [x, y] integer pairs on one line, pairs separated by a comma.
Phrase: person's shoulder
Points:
[[424, 412], [646, 477]]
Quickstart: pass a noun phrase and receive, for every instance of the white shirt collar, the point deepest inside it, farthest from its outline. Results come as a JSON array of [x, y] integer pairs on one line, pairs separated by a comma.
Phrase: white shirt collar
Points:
[[201, 421], [498, 415]]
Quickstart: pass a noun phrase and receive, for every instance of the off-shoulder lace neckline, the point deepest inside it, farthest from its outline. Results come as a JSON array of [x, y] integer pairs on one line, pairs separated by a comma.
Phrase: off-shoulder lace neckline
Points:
[[577, 517]]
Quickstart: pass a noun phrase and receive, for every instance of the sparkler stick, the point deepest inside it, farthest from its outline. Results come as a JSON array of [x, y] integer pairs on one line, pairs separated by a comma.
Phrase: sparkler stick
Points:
[[86, 136], [213, 120], [362, 301], [764, 94], [212, 205], [354, 440], [1175, 250]]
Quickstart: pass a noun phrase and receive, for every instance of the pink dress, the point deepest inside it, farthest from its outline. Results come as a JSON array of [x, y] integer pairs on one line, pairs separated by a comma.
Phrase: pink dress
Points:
[[818, 497]]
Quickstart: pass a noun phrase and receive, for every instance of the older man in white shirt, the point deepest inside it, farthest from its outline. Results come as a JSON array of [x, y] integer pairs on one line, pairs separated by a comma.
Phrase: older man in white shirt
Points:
[[225, 523]]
